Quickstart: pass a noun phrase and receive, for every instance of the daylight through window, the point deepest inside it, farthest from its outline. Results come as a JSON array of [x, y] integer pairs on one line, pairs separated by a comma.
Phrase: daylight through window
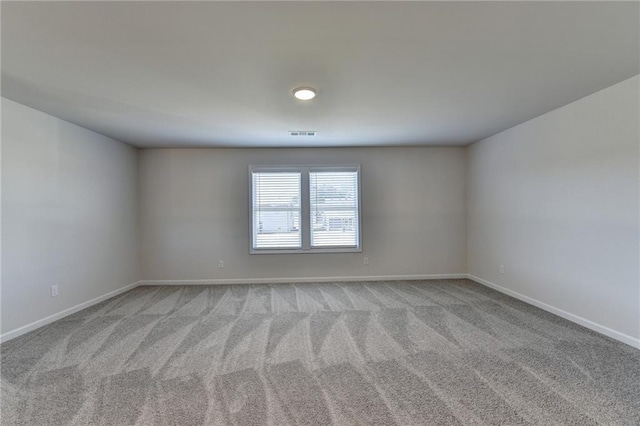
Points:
[[305, 209]]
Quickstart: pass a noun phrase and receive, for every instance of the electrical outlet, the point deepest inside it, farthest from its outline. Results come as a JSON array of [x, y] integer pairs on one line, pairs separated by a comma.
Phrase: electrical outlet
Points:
[[502, 269], [366, 260], [220, 264], [54, 291]]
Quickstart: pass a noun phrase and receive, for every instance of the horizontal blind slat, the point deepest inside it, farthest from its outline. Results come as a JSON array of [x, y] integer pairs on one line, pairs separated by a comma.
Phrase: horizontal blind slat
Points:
[[276, 210], [334, 208]]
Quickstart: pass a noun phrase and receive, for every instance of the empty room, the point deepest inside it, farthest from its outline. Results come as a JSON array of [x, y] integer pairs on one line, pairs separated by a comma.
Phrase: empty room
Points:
[[320, 213]]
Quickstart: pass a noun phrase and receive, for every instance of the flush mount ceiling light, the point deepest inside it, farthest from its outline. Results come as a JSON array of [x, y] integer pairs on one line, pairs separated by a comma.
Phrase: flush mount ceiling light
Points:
[[304, 93]]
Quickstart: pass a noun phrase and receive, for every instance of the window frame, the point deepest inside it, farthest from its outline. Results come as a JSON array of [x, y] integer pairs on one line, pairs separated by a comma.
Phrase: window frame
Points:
[[305, 207]]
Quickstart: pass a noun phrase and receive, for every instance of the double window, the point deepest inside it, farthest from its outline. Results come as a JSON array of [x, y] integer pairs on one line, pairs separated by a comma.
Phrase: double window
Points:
[[305, 209]]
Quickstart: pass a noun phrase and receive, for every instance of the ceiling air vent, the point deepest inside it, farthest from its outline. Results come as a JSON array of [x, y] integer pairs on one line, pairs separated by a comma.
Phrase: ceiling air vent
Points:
[[302, 133]]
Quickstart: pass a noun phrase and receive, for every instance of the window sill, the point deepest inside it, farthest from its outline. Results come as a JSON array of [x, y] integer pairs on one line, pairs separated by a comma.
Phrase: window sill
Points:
[[308, 251]]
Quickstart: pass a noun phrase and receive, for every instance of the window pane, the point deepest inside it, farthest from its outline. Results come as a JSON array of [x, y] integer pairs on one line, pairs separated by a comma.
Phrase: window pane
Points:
[[334, 208], [276, 210]]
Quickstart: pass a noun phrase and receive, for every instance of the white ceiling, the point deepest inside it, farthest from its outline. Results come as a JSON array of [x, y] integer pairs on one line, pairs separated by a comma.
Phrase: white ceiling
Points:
[[156, 74]]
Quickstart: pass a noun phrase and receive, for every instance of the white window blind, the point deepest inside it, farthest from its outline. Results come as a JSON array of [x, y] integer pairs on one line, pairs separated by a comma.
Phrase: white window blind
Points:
[[276, 210], [333, 202], [305, 209]]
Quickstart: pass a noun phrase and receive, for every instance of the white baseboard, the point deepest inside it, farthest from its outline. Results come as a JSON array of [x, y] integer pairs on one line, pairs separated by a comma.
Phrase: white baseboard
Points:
[[621, 337], [303, 279], [51, 318], [624, 338]]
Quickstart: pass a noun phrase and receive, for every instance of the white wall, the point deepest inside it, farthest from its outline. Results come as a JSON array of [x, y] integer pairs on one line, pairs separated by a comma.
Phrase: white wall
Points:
[[556, 200], [194, 212], [69, 215]]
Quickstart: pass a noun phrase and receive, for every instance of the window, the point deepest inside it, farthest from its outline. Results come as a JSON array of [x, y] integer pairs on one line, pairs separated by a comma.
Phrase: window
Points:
[[333, 204], [276, 210], [305, 209]]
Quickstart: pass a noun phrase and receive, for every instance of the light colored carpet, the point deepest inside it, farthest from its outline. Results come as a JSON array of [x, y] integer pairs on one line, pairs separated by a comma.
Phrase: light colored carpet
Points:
[[408, 353]]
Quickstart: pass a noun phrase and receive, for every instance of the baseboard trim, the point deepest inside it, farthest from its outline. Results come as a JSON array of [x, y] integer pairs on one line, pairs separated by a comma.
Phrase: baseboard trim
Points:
[[51, 318], [621, 337], [221, 281]]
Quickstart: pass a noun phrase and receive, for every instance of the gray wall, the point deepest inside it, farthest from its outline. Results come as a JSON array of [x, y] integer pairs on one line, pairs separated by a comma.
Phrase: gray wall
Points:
[[69, 215], [555, 200], [194, 212]]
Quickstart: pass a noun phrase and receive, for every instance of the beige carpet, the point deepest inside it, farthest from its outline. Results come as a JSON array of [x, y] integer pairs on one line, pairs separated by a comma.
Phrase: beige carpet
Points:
[[407, 353]]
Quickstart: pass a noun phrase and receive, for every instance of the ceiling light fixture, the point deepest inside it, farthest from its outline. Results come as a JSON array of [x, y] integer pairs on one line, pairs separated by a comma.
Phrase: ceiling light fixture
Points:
[[304, 93]]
